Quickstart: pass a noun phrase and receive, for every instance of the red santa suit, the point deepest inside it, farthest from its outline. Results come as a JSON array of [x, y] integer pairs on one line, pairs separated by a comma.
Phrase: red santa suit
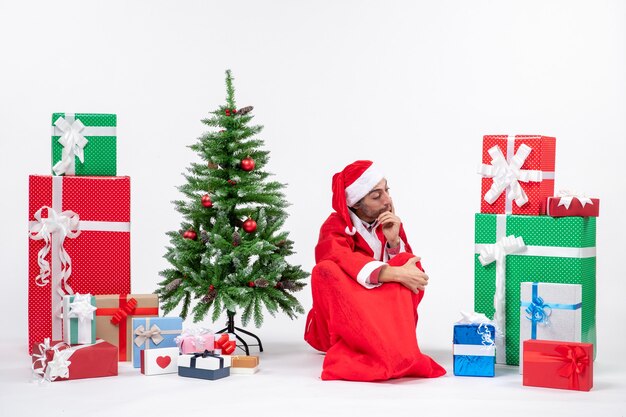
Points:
[[367, 329]]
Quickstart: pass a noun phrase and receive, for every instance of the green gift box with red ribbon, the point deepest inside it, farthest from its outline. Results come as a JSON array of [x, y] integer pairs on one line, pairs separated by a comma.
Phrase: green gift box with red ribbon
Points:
[[511, 249], [114, 316]]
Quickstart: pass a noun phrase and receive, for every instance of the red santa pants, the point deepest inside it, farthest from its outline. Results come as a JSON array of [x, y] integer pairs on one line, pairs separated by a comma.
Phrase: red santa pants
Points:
[[367, 334]]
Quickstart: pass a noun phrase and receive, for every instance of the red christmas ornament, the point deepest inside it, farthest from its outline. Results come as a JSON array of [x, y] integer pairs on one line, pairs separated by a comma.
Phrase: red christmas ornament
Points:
[[279, 284], [251, 284], [231, 182], [190, 234], [206, 201], [227, 111], [249, 225], [211, 287], [247, 164]]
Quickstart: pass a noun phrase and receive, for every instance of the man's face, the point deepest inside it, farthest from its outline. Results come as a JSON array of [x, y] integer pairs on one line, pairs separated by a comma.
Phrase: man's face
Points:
[[376, 202]]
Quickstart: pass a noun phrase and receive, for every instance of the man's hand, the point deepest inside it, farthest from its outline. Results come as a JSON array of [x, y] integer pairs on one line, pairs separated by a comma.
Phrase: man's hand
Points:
[[391, 226], [408, 275]]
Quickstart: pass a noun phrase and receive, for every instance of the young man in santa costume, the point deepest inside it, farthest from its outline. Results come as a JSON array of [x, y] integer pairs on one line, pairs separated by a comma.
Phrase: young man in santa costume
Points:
[[366, 285]]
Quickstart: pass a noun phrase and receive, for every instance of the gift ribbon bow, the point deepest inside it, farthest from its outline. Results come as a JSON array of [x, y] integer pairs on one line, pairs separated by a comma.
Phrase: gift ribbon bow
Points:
[[485, 335], [58, 367], [142, 335], [81, 308], [566, 197], [123, 312], [205, 354], [508, 174], [65, 224], [225, 343], [73, 143]]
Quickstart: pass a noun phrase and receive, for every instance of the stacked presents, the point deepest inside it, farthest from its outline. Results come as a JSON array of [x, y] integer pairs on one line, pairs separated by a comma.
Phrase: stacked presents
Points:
[[82, 317], [535, 264]]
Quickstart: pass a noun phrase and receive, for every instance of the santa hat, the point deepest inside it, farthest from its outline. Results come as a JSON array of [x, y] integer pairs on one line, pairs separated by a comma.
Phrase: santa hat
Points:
[[352, 184]]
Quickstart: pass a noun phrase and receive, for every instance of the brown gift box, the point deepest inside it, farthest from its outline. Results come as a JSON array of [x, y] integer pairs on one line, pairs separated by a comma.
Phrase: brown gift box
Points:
[[242, 361], [114, 316]]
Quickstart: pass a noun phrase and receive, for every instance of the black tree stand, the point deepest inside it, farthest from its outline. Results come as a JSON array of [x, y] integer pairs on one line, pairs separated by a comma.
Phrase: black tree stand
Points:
[[230, 328]]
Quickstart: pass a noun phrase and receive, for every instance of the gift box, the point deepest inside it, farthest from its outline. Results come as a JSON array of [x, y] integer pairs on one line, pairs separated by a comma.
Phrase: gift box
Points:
[[518, 173], [79, 243], [242, 364], [79, 321], [474, 349], [558, 364], [159, 361], [114, 318], [193, 340], [571, 205], [58, 361], [84, 144], [154, 332], [203, 366], [514, 249], [550, 312]]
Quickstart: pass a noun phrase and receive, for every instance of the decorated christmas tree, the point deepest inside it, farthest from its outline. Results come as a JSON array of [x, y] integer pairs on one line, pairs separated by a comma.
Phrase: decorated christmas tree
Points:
[[230, 254]]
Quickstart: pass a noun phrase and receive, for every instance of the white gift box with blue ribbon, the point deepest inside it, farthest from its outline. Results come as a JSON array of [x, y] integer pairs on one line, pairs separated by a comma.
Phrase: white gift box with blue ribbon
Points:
[[550, 312], [474, 347]]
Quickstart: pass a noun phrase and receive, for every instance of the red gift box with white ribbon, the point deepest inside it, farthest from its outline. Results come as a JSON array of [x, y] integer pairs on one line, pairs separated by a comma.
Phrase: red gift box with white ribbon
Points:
[[518, 173], [570, 203], [79, 230]]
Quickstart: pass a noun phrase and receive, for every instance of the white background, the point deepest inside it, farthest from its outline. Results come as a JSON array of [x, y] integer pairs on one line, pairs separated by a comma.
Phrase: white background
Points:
[[412, 85]]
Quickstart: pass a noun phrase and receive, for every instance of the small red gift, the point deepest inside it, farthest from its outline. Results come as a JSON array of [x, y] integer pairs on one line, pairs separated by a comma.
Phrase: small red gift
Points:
[[58, 361], [557, 364], [225, 344], [567, 203]]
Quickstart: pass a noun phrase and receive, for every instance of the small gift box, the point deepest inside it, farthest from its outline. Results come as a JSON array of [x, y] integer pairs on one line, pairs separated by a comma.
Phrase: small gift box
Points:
[[79, 324], [568, 203], [242, 364], [205, 365], [84, 144], [159, 361], [195, 340], [154, 332], [550, 312], [474, 346], [114, 318], [225, 344], [556, 364], [58, 361]]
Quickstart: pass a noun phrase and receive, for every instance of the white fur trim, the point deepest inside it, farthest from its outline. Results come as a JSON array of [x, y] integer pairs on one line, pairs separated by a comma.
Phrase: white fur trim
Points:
[[363, 185], [365, 272], [350, 232]]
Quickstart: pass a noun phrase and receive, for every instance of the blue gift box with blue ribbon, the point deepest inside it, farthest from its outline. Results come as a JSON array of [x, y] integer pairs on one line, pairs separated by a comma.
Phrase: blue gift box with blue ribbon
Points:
[[550, 312], [474, 349]]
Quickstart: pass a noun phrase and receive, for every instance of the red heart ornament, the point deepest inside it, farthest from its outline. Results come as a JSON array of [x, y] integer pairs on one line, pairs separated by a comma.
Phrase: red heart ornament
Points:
[[163, 361]]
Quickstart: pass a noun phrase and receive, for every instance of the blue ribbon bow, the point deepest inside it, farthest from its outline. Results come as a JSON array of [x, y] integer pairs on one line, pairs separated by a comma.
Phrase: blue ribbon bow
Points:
[[538, 311]]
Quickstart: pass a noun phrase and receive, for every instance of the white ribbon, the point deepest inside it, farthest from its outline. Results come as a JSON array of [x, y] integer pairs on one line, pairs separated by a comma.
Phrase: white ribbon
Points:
[[59, 366], [73, 143], [81, 308], [497, 253], [65, 224], [566, 197], [508, 174]]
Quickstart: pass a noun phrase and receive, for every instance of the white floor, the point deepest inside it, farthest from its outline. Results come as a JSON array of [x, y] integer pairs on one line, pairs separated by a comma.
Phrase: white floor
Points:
[[288, 384]]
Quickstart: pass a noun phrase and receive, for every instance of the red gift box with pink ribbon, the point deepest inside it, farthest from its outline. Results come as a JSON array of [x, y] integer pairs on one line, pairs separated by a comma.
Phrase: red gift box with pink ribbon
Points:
[[557, 364], [79, 229], [518, 173]]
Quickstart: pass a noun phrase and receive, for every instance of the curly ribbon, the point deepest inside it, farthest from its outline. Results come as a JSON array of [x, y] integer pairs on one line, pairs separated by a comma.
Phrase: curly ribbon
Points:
[[73, 143], [143, 335], [226, 343], [485, 335], [65, 224], [566, 197], [574, 358], [538, 312], [123, 312]]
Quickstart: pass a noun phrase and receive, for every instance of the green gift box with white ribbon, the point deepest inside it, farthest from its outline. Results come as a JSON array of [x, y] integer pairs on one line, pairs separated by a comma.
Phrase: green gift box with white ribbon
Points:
[[511, 249], [84, 144], [79, 319]]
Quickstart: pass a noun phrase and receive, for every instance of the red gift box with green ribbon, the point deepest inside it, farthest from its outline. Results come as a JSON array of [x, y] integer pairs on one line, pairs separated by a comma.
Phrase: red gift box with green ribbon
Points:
[[79, 229], [558, 364]]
